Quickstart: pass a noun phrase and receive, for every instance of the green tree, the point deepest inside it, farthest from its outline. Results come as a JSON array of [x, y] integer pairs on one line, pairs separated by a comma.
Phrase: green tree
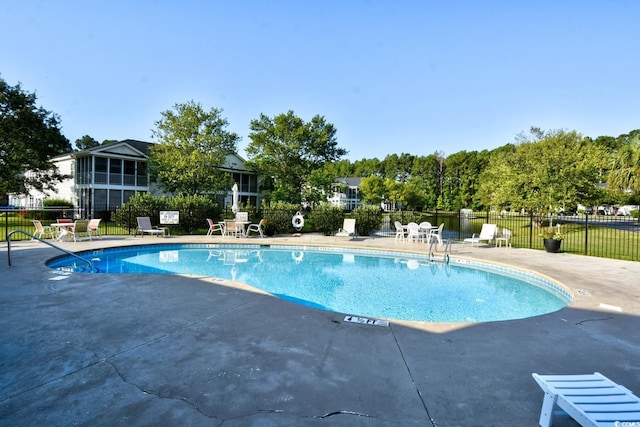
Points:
[[557, 171], [429, 169], [414, 194], [367, 167], [461, 178], [394, 192], [624, 174], [29, 138], [319, 183], [86, 142], [288, 150], [398, 168], [192, 145], [372, 189]]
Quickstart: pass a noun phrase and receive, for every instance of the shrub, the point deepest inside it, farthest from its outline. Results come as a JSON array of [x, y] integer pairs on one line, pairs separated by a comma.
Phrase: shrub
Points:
[[279, 214], [142, 204], [326, 218], [58, 203], [194, 210], [368, 219]]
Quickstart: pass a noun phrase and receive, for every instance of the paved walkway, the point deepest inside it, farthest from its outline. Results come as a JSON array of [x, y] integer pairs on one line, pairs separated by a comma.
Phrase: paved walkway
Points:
[[176, 350]]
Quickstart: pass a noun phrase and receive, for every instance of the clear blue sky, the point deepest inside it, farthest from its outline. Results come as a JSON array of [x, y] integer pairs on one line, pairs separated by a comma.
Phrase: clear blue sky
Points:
[[392, 76]]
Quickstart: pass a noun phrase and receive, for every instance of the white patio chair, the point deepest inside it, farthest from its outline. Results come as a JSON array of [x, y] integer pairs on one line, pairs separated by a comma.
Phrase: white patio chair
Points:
[[94, 227], [214, 226], [436, 233], [413, 233], [400, 231], [43, 230], [256, 227]]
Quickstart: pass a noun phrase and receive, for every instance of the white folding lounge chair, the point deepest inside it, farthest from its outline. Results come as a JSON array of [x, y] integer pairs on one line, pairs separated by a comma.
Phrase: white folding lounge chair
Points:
[[591, 400], [348, 228], [487, 234], [144, 226]]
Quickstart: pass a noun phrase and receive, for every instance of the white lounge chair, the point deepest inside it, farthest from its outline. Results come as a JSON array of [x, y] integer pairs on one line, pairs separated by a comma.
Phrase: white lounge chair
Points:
[[487, 234], [591, 400], [348, 228], [144, 226]]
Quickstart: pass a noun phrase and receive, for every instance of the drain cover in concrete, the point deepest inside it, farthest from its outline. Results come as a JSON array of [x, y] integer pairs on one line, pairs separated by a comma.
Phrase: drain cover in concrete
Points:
[[364, 320]]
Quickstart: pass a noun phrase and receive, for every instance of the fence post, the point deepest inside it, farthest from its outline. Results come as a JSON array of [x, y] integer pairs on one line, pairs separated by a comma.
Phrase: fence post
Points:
[[586, 233], [530, 230]]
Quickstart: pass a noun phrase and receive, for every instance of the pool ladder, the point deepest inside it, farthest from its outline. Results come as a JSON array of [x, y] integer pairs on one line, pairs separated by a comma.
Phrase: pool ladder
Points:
[[445, 255], [45, 242]]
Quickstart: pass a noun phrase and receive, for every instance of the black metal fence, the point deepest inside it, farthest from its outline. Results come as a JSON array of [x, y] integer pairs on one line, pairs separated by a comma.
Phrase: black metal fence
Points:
[[594, 235]]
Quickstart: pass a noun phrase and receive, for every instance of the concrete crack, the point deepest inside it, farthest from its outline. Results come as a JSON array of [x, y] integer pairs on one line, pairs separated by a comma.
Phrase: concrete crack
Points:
[[155, 392], [424, 404], [331, 414], [593, 320]]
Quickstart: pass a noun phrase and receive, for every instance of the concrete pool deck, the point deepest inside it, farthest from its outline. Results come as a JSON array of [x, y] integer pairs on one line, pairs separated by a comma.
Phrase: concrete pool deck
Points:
[[176, 350]]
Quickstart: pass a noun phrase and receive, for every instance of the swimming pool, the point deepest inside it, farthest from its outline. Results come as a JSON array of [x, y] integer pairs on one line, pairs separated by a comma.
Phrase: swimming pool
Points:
[[378, 284]]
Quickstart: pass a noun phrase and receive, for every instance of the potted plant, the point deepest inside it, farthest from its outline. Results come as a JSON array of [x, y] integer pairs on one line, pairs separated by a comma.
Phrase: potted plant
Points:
[[552, 238], [269, 228]]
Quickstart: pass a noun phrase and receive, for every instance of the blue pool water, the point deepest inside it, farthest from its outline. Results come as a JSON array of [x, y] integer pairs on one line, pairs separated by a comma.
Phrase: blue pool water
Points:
[[363, 283]]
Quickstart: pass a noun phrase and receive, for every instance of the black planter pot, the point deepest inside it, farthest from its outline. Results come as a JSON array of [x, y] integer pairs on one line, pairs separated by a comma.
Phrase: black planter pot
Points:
[[552, 245]]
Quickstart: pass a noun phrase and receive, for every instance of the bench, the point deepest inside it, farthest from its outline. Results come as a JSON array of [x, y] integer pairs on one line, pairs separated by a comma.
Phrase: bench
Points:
[[591, 400]]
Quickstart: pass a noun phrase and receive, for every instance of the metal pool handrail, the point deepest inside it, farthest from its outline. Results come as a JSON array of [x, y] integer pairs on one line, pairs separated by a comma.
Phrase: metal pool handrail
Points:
[[445, 255], [43, 241]]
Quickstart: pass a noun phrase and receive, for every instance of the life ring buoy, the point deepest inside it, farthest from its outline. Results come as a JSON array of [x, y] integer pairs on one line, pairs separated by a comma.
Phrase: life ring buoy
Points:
[[297, 221], [297, 256]]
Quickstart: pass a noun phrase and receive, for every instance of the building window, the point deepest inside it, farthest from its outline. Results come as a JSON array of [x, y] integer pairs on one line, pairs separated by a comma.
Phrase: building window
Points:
[[115, 171], [100, 200], [253, 183], [101, 171], [129, 177], [115, 198], [141, 173]]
